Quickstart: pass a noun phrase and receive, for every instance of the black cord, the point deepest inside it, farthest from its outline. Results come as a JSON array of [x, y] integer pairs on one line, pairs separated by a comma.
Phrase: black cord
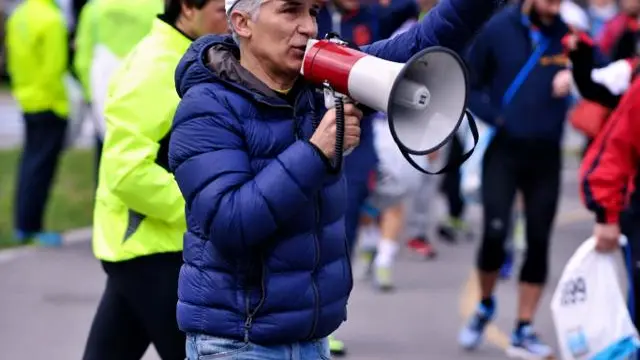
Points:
[[336, 164]]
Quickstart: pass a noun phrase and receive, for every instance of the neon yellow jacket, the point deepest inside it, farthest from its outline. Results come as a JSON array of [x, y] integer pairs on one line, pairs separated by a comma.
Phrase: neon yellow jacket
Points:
[[83, 44], [37, 49], [139, 208], [107, 31]]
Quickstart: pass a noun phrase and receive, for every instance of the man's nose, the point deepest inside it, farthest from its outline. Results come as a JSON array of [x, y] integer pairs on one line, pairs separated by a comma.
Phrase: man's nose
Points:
[[307, 26]]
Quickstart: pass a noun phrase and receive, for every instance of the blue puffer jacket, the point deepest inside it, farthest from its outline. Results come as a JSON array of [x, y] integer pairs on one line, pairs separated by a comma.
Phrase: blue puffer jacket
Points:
[[265, 252]]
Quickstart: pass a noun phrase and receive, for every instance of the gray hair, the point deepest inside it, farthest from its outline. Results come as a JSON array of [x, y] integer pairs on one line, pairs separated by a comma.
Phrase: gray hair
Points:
[[250, 7]]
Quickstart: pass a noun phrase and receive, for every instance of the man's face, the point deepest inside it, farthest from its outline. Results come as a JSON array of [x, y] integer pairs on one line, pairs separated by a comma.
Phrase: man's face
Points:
[[548, 10], [210, 19], [278, 36]]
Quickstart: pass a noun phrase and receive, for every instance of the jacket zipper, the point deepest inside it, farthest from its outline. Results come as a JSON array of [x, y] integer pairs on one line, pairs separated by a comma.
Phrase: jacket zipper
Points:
[[248, 323], [298, 136]]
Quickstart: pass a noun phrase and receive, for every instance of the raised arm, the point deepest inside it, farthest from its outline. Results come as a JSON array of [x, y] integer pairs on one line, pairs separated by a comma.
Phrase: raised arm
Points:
[[583, 62], [235, 207], [452, 23]]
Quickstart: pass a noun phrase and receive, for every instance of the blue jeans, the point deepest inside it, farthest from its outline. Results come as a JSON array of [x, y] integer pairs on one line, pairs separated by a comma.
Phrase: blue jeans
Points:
[[204, 347]]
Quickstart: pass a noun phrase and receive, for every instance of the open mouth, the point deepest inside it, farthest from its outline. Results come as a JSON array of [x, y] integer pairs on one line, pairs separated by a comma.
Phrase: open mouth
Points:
[[299, 50]]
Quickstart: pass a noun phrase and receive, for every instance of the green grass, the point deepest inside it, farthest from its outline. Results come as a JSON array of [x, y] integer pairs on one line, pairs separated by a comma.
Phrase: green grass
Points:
[[70, 203]]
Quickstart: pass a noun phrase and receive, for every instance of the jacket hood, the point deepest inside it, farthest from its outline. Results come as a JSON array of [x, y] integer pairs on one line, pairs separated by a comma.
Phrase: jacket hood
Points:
[[216, 58]]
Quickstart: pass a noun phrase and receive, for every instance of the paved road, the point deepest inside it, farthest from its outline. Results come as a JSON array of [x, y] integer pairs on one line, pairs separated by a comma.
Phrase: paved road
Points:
[[48, 297]]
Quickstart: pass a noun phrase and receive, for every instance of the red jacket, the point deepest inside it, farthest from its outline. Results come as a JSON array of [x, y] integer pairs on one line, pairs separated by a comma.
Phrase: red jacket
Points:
[[613, 29], [609, 167]]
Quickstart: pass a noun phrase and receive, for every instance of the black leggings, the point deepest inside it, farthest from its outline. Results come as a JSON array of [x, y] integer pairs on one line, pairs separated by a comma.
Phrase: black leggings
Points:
[[138, 308], [534, 169]]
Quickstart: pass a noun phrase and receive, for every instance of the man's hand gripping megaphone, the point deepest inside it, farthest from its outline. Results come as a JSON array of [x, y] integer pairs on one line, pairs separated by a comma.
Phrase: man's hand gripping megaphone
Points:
[[337, 101]]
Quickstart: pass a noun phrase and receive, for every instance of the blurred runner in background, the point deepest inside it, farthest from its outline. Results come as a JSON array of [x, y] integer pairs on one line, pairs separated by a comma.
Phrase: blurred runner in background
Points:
[[520, 86], [37, 47], [384, 217], [139, 218]]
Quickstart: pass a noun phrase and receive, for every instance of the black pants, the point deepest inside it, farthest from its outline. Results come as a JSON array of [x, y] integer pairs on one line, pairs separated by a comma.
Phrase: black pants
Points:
[[450, 186], [533, 168], [138, 308], [43, 143]]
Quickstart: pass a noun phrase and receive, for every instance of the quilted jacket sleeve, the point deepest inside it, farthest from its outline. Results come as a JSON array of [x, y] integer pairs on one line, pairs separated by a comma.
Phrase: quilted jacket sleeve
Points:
[[452, 23], [235, 207]]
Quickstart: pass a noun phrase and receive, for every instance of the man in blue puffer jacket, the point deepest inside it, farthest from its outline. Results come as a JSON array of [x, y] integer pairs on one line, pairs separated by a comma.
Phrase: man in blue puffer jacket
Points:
[[266, 273]]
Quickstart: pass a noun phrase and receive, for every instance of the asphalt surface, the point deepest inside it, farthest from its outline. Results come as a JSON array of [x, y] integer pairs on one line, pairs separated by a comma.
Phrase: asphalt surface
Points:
[[48, 298]]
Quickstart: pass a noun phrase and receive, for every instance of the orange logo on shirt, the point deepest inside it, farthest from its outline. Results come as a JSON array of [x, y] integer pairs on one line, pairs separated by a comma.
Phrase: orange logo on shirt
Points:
[[558, 60]]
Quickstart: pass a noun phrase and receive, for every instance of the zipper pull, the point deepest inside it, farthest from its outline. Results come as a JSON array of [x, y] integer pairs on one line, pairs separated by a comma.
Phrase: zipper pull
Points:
[[247, 326]]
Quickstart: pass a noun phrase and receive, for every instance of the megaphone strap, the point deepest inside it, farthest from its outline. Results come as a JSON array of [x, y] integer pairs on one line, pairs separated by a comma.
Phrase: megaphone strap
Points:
[[452, 164]]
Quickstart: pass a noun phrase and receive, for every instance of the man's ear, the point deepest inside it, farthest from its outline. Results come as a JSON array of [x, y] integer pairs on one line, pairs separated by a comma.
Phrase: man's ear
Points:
[[241, 24], [187, 12]]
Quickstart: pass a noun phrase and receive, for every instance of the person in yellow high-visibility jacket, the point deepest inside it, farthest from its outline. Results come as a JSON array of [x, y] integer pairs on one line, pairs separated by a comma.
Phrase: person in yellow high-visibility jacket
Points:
[[107, 31], [139, 217], [37, 49]]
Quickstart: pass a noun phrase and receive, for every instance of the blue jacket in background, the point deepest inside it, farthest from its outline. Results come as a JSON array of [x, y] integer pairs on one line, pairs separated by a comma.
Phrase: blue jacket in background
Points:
[[265, 252], [364, 26], [494, 59]]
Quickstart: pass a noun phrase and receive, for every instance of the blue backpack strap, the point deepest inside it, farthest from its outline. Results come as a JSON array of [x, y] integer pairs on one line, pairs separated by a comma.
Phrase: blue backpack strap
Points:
[[525, 71]]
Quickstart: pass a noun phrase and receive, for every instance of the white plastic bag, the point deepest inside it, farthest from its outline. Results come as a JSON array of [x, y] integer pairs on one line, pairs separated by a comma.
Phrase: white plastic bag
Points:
[[589, 311]]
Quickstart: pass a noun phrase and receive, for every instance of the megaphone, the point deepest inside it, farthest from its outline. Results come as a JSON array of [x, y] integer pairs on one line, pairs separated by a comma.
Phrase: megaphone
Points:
[[424, 99]]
